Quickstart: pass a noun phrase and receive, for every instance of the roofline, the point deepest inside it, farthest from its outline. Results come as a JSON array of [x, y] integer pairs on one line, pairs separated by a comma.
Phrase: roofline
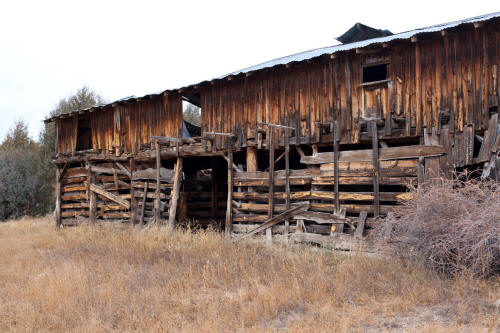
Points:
[[297, 58]]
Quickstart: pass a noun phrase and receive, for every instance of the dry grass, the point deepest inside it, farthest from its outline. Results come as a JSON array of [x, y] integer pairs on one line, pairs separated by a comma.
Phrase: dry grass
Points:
[[109, 279]]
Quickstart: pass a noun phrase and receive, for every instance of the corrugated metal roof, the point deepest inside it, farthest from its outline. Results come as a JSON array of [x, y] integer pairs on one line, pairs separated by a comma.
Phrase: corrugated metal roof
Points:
[[345, 47], [310, 55]]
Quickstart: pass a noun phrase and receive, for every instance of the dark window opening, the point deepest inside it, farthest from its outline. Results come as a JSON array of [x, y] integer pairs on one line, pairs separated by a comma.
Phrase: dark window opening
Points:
[[492, 110], [84, 134], [374, 73]]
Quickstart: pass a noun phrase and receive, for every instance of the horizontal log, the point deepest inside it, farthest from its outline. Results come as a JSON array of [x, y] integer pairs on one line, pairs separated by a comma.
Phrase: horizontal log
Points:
[[279, 174], [75, 172], [74, 196], [265, 196], [74, 188], [351, 208], [74, 180], [364, 180], [166, 175], [151, 185], [74, 213], [365, 155], [151, 195], [252, 207]]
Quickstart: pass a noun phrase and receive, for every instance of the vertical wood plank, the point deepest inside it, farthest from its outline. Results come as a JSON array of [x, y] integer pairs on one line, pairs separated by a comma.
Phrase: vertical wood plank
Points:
[[143, 207], [269, 234], [158, 183], [58, 196], [229, 206], [376, 172], [133, 199], [213, 213], [174, 199], [336, 138], [287, 178]]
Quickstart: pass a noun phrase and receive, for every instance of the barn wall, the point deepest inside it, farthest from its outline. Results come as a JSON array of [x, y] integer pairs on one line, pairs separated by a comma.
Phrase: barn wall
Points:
[[457, 73], [124, 127]]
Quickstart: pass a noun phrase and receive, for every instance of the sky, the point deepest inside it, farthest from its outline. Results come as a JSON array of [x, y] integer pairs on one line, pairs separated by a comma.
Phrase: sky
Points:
[[49, 49]]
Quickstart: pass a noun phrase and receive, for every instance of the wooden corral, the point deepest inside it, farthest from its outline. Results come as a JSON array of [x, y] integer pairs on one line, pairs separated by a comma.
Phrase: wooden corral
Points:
[[342, 131]]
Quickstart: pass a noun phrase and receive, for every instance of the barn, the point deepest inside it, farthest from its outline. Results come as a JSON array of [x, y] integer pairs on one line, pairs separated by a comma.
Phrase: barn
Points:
[[316, 143]]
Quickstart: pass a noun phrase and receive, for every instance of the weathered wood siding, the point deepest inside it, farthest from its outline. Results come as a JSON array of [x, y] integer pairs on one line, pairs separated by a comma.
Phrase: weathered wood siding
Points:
[[455, 72], [126, 126]]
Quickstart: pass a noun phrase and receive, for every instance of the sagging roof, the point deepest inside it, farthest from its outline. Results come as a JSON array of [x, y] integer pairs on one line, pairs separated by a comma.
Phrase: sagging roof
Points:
[[303, 56]]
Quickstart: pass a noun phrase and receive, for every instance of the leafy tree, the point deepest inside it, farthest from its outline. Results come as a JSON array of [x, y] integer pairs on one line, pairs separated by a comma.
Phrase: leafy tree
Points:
[[192, 114], [83, 98], [21, 187]]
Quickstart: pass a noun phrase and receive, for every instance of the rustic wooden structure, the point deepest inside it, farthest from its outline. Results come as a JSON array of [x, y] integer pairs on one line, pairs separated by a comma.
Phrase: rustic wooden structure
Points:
[[343, 130]]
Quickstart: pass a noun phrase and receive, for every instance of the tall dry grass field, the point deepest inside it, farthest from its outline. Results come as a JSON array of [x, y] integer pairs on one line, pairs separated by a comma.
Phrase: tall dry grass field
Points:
[[97, 279]]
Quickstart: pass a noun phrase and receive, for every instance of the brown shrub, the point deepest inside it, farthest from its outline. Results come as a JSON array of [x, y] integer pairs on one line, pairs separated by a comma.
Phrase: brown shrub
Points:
[[453, 225]]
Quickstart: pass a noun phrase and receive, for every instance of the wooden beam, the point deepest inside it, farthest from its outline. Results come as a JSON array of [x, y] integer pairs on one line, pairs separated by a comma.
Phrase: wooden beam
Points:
[[92, 198], [157, 212], [287, 180], [277, 219], [270, 209], [125, 171], [175, 192], [143, 207], [99, 190], [358, 233], [376, 168], [213, 210], [133, 199], [385, 154], [229, 210], [58, 196], [336, 138]]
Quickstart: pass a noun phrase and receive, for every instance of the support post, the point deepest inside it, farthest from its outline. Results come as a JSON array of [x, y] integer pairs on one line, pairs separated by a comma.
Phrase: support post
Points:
[[213, 212], [229, 206], [287, 179], [133, 199], [143, 207], [92, 196], [58, 196], [175, 193], [336, 164], [376, 170], [158, 183], [270, 209]]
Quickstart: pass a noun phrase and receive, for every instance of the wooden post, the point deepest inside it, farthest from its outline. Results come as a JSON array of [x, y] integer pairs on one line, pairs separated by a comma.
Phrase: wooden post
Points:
[[133, 199], [158, 184], [143, 207], [376, 172], [92, 196], [58, 196], [213, 213], [175, 193], [336, 164], [229, 206], [252, 162], [270, 209], [287, 179]]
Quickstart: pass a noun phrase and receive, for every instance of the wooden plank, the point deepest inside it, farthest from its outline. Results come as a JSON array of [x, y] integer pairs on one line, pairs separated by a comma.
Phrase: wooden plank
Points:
[[92, 199], [175, 192], [124, 170], [277, 219], [376, 171], [270, 210], [58, 196], [360, 227], [366, 155], [133, 199], [229, 211], [287, 179], [213, 198], [158, 184], [489, 139], [336, 138], [143, 206], [99, 190]]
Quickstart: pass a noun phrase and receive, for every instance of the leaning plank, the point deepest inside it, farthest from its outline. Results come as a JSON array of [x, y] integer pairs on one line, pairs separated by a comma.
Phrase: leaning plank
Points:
[[277, 219], [489, 140], [175, 192], [124, 169], [110, 196], [358, 233], [366, 155]]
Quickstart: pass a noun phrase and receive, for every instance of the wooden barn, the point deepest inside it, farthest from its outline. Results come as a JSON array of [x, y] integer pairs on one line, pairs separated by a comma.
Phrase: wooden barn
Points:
[[316, 143]]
